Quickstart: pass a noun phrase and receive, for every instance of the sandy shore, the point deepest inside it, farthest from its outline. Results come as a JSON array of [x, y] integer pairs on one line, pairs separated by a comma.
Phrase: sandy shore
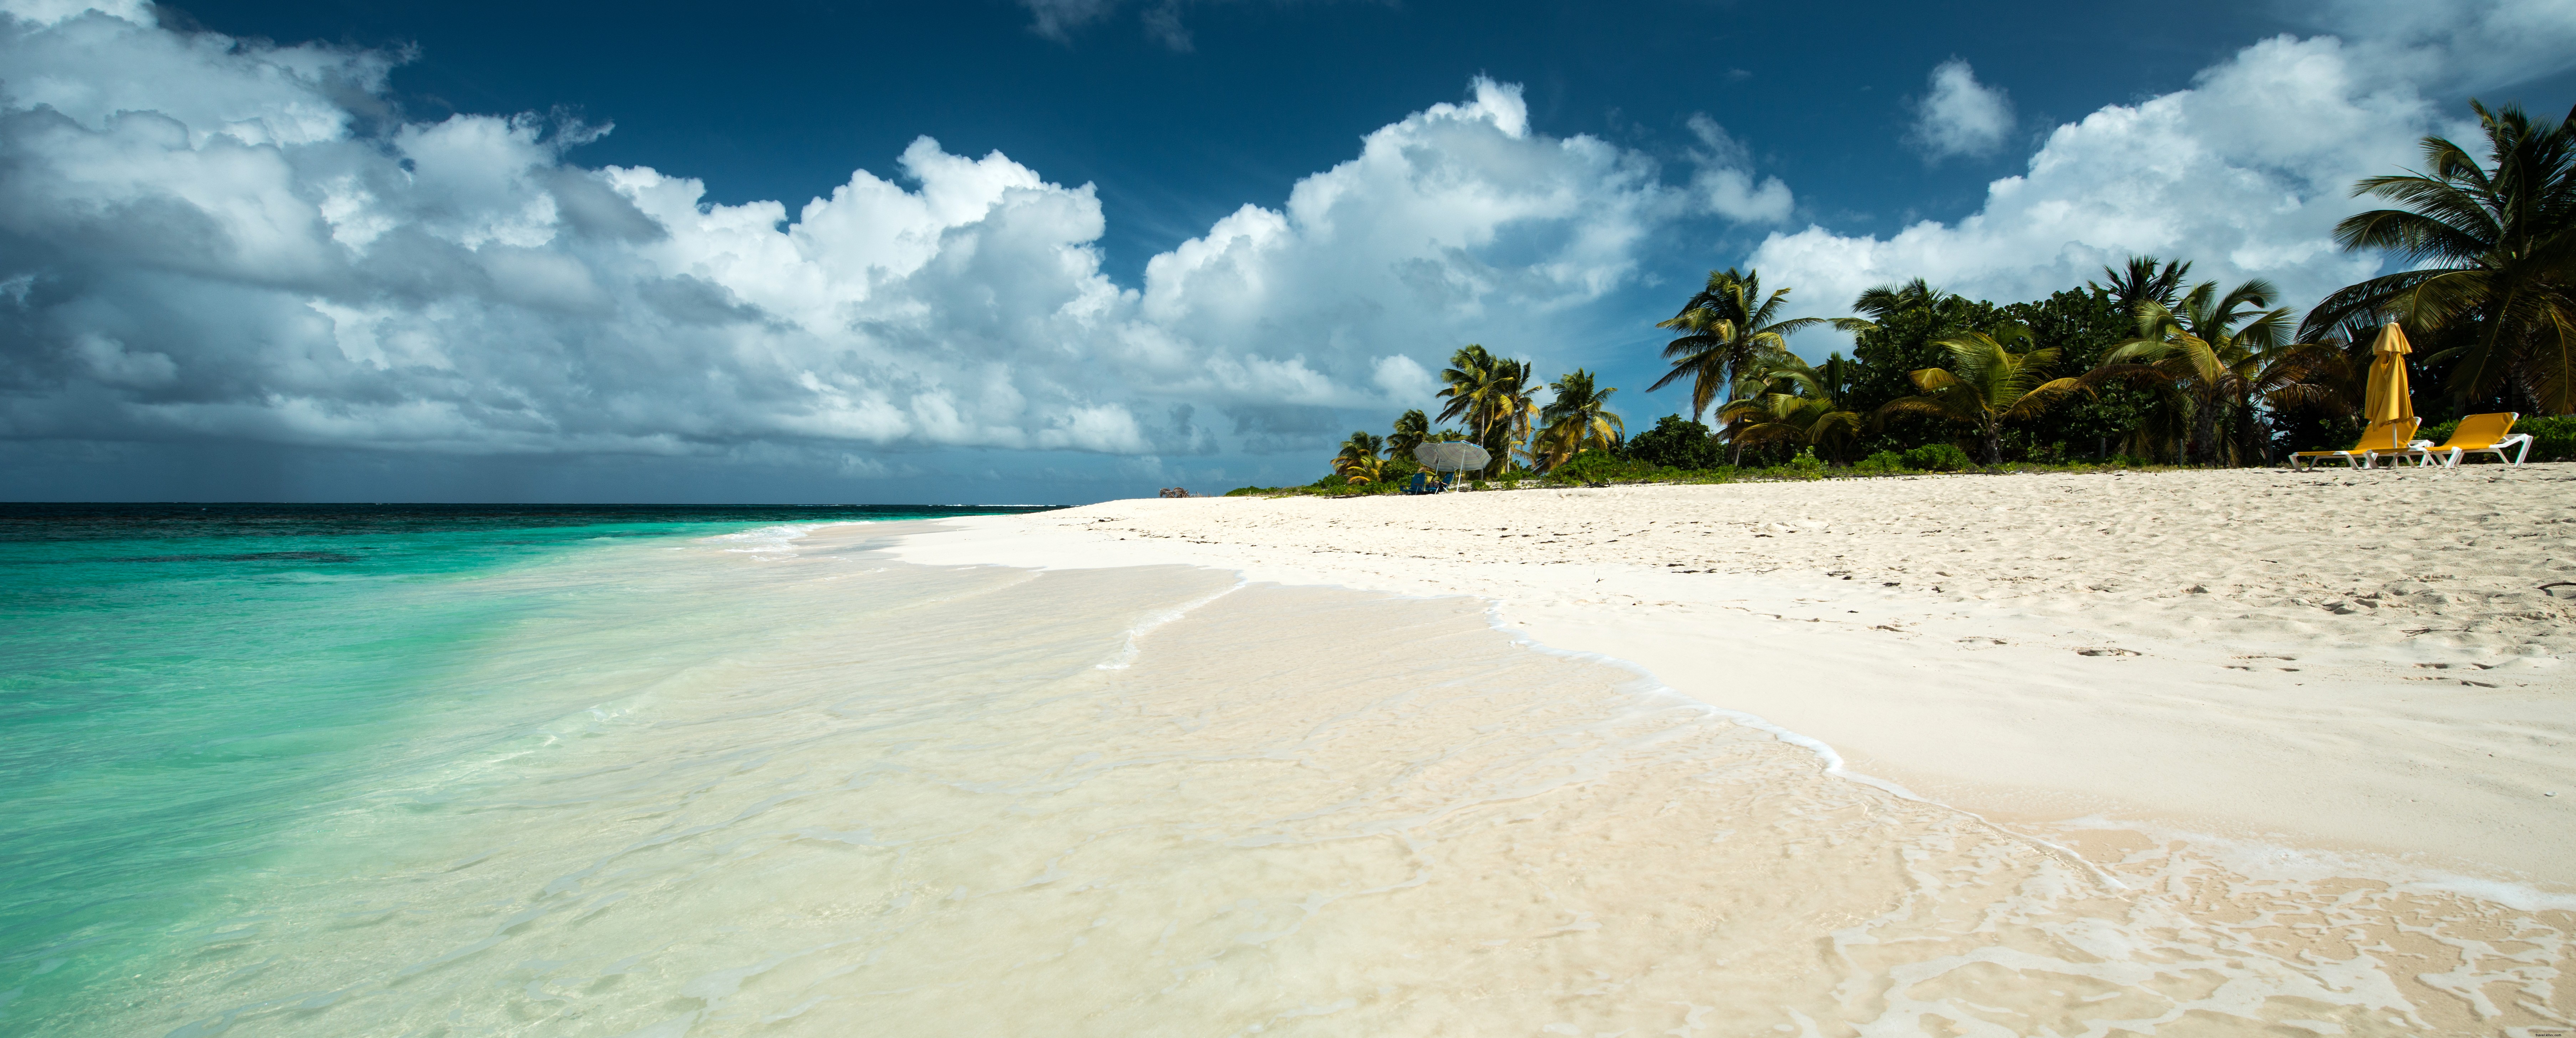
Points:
[[2363, 661]]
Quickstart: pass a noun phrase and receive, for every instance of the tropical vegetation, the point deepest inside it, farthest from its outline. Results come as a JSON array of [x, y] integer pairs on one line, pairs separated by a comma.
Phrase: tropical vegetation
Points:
[[1727, 329], [2495, 292], [2145, 366], [1986, 384]]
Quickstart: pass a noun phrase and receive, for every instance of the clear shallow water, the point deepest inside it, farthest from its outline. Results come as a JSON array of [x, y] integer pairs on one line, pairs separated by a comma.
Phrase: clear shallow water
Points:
[[764, 783], [181, 686]]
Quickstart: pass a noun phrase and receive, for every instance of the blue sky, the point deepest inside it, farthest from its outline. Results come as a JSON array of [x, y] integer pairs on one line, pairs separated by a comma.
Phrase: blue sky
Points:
[[381, 251]]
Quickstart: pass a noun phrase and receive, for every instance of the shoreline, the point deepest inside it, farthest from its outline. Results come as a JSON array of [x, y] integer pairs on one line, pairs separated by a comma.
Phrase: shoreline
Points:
[[2015, 708]]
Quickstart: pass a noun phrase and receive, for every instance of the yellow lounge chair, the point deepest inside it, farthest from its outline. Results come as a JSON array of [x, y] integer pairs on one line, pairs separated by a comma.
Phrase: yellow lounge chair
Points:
[[2381, 438], [2480, 432]]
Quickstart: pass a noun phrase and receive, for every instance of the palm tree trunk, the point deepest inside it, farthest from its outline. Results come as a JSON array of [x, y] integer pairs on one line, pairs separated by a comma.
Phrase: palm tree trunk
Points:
[[1994, 444], [2204, 434]]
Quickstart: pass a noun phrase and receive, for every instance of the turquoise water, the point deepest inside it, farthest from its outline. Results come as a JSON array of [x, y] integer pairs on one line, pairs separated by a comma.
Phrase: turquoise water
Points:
[[178, 683]]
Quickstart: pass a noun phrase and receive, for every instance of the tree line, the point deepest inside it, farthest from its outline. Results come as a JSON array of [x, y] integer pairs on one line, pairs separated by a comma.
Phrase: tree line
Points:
[[2144, 364]]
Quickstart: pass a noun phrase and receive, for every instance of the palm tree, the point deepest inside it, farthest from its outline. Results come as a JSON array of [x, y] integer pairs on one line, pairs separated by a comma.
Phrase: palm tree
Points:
[[1412, 428], [2223, 353], [1576, 420], [1515, 406], [2501, 238], [1365, 470], [1986, 385], [1359, 453], [1796, 402], [1724, 328], [1884, 302], [1468, 377], [1495, 398], [2148, 280], [1900, 330]]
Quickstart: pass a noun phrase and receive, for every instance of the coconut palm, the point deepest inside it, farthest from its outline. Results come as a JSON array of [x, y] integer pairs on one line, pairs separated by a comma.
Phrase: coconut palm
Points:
[[1576, 420], [1358, 453], [2224, 354], [1493, 395], [1987, 385], [1884, 302], [1796, 402], [1723, 330], [2501, 240], [1515, 406], [2147, 280], [1469, 379], [1412, 428]]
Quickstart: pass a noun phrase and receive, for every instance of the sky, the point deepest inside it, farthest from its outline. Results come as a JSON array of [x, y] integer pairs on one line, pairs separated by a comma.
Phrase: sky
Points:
[[1058, 251]]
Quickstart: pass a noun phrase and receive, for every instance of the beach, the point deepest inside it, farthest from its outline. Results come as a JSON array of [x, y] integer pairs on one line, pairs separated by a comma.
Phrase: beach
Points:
[[2330, 658], [1483, 764]]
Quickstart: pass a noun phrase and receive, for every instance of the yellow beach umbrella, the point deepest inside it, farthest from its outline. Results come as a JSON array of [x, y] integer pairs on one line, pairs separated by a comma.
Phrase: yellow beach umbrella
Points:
[[2387, 398]]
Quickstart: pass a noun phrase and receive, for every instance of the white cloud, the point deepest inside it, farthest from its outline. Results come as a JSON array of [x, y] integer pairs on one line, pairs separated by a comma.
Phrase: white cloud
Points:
[[1435, 203], [1724, 180], [2245, 174], [1402, 378], [2459, 45], [209, 244], [1961, 116]]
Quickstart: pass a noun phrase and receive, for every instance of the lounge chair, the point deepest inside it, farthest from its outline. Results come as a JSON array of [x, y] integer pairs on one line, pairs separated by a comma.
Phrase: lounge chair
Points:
[[2480, 432], [2381, 438]]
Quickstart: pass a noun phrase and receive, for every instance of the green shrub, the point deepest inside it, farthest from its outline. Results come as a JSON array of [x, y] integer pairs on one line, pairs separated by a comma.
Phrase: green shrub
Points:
[[1598, 467], [2552, 438], [1880, 464], [1806, 465], [1674, 443], [1938, 457]]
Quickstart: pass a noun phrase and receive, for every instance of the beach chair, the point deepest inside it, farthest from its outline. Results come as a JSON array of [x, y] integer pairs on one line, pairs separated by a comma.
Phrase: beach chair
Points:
[[2480, 432], [2381, 438]]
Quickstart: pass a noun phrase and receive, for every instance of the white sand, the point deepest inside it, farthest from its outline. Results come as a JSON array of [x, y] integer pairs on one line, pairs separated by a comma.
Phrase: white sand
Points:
[[2338, 660]]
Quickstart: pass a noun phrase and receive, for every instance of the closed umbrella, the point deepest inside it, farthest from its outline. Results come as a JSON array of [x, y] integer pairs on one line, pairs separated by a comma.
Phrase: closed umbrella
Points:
[[2387, 398]]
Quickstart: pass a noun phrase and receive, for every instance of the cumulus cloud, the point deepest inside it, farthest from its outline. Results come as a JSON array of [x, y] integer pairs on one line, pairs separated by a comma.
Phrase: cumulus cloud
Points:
[[2463, 45], [2245, 173], [1724, 179], [1961, 116], [216, 239]]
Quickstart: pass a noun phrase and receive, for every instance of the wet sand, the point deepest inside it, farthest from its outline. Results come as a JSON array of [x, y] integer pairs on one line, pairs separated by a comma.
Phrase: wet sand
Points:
[[2349, 661]]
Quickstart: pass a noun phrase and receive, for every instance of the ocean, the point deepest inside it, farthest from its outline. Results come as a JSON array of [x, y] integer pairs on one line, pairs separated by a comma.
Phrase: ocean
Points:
[[731, 772], [183, 686]]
